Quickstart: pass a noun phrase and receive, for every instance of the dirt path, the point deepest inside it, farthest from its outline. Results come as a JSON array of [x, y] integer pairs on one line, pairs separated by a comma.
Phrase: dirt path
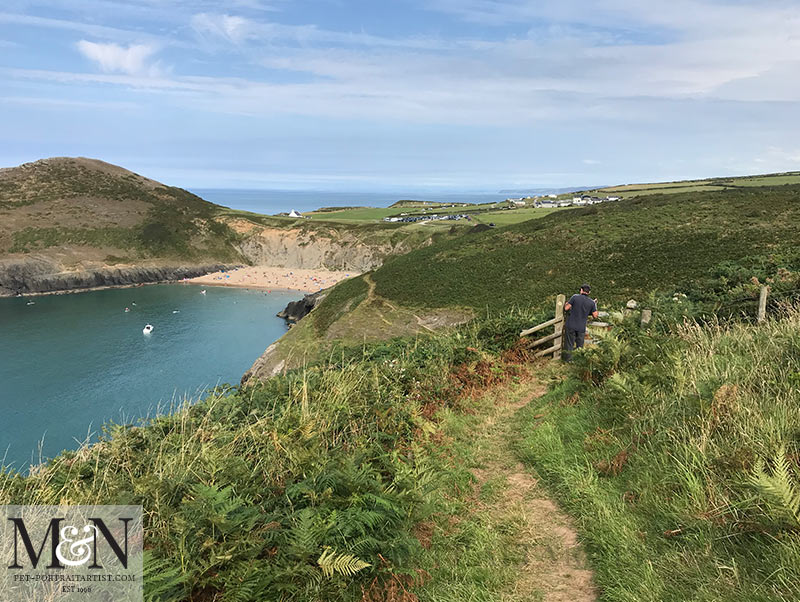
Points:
[[555, 568]]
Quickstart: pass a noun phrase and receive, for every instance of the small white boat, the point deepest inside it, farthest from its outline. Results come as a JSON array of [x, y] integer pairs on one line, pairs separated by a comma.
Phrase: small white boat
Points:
[[176, 311], [203, 292], [31, 303], [147, 329]]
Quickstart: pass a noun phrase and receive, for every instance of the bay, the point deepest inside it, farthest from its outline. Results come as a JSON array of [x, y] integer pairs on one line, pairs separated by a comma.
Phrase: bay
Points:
[[69, 363]]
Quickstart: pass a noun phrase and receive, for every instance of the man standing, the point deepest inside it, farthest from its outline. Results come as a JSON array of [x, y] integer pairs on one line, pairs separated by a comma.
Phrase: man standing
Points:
[[580, 307]]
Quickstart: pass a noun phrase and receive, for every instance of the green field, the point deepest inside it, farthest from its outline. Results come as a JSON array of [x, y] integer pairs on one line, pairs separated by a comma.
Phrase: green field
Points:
[[480, 213], [630, 190], [361, 214]]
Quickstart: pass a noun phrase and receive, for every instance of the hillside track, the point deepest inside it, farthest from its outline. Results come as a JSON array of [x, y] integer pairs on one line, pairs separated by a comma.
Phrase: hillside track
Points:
[[555, 567]]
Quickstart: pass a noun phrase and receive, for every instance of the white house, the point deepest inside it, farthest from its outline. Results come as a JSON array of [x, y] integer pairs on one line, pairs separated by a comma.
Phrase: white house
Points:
[[517, 202], [294, 213]]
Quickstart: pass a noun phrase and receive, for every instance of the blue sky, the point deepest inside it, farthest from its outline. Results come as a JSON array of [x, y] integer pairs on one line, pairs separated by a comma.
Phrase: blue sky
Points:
[[472, 95]]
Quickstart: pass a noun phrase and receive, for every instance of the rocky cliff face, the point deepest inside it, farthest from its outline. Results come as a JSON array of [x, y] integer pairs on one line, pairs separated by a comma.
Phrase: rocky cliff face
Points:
[[297, 248], [33, 275]]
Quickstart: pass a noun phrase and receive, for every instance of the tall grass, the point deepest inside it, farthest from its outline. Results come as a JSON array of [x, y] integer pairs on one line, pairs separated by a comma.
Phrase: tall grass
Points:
[[679, 455], [306, 487]]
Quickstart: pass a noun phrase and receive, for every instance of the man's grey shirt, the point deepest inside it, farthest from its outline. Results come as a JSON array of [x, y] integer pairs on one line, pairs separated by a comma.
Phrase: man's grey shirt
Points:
[[582, 307]]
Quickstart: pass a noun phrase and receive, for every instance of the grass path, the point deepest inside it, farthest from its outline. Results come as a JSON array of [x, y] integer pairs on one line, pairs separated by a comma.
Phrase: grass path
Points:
[[523, 546]]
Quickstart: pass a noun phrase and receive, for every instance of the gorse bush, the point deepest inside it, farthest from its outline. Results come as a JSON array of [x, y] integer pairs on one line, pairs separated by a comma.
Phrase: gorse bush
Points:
[[305, 487]]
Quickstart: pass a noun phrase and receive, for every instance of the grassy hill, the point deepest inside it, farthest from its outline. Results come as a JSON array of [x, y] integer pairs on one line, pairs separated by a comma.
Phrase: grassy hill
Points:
[[88, 209], [704, 185], [623, 249]]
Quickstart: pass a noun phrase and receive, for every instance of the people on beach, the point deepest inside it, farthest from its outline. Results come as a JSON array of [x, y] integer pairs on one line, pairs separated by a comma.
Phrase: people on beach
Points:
[[578, 309]]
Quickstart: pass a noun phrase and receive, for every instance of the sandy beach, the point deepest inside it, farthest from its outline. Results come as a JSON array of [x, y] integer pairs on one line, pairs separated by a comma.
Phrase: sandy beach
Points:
[[267, 278]]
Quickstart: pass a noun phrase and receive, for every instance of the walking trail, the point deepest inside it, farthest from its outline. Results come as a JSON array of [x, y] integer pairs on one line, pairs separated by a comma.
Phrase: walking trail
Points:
[[555, 569]]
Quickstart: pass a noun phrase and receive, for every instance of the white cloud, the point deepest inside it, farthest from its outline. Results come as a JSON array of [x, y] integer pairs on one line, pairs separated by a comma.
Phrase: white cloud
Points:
[[113, 58], [231, 28], [591, 162]]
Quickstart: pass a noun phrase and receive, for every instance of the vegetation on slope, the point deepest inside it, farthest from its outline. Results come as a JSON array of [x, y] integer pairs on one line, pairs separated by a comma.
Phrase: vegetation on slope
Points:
[[677, 451], [623, 249], [306, 487], [81, 202]]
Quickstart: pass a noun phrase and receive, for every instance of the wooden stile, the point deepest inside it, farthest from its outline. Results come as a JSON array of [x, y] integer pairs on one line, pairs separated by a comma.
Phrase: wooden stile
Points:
[[556, 337]]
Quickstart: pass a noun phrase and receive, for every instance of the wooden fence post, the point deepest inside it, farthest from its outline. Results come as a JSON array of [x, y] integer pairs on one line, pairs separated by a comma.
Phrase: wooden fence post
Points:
[[762, 304], [560, 300]]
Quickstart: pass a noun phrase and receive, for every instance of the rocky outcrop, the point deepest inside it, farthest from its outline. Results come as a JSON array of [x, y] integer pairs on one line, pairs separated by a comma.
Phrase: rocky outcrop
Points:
[[41, 276], [297, 310]]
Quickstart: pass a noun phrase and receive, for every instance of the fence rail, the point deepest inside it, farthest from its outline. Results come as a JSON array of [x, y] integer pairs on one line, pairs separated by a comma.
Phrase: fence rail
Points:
[[646, 315], [558, 326]]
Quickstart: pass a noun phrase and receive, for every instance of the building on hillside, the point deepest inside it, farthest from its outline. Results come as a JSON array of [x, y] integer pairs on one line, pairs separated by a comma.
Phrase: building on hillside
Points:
[[517, 202], [547, 204], [294, 213]]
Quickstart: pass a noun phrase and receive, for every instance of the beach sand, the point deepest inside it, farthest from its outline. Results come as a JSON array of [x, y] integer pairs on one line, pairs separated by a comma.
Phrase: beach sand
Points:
[[267, 278]]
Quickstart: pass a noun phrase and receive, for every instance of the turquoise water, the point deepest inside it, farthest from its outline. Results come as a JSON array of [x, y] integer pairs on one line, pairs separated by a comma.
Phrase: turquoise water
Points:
[[69, 363]]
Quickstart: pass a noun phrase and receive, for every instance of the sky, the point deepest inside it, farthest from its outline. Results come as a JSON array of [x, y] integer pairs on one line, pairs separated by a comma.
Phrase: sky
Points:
[[448, 95]]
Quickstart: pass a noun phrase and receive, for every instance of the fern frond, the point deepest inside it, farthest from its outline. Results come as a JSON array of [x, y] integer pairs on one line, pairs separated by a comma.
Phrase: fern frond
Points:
[[344, 564], [164, 580], [781, 488]]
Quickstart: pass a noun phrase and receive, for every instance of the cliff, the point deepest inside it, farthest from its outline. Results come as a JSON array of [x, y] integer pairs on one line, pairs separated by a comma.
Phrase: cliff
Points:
[[319, 247], [41, 276]]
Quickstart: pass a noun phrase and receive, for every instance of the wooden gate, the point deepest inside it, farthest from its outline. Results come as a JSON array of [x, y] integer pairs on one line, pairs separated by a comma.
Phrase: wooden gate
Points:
[[556, 338]]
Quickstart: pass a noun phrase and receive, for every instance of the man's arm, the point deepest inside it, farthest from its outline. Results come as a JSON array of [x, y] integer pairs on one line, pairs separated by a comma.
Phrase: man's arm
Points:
[[568, 306]]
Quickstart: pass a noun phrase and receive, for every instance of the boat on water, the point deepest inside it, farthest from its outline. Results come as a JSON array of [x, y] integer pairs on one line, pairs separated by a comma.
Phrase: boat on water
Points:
[[147, 329], [203, 292]]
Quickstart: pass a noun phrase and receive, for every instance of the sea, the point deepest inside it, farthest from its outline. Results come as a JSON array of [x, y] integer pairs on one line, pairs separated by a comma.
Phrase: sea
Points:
[[271, 202], [71, 363]]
